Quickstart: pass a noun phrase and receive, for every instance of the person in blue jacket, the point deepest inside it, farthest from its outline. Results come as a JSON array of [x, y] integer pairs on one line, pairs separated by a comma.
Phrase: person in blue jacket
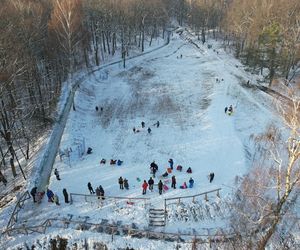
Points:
[[50, 195], [191, 182]]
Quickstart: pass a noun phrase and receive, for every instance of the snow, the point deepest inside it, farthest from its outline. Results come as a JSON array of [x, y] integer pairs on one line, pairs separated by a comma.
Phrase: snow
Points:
[[185, 96]]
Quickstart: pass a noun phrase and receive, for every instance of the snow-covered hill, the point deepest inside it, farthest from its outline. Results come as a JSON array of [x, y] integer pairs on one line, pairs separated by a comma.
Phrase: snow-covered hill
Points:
[[186, 89]]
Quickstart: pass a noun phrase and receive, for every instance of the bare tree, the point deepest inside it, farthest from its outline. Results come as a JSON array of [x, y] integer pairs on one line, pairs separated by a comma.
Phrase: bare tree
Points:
[[268, 193]]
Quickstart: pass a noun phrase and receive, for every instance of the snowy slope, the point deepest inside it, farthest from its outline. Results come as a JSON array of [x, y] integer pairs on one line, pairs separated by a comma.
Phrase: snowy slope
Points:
[[184, 95]]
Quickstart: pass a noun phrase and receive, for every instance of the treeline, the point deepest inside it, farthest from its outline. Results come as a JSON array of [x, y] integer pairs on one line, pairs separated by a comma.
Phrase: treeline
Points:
[[266, 35]]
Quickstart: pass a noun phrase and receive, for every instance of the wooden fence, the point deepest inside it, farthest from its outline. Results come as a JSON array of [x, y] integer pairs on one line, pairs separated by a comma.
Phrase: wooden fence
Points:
[[108, 199], [20, 204], [193, 197], [218, 236]]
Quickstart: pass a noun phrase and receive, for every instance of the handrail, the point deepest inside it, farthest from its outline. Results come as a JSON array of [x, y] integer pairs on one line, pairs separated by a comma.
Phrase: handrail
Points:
[[107, 197], [110, 197], [192, 196], [47, 223], [14, 216]]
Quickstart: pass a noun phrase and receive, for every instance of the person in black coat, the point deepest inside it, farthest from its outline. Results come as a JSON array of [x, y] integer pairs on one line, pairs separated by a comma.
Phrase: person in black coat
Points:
[[143, 124], [153, 168], [171, 162], [126, 185], [90, 188], [189, 170], [211, 177], [65, 193], [56, 174], [101, 192], [173, 182], [151, 183], [121, 183], [33, 193], [149, 130], [160, 187]]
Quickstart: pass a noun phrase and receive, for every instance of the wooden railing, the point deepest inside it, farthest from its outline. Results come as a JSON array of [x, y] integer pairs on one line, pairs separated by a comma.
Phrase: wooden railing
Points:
[[108, 198], [20, 203], [217, 236], [178, 199]]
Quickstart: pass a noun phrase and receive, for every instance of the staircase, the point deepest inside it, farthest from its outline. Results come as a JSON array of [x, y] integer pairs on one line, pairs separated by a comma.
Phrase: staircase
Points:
[[157, 217]]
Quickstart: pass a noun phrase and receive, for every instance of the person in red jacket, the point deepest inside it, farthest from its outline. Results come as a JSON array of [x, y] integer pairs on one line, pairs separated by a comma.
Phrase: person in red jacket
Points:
[[145, 186]]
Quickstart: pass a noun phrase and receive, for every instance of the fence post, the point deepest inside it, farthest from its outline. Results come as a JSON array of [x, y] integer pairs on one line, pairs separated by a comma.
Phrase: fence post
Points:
[[71, 199], [218, 194], [165, 211], [206, 199]]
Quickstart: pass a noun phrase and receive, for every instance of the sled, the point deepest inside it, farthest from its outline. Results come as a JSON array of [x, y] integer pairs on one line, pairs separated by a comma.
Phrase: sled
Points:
[[130, 203], [165, 188], [138, 179]]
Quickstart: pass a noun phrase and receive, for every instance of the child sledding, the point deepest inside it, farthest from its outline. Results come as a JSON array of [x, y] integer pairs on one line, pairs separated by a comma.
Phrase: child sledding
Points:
[[229, 110]]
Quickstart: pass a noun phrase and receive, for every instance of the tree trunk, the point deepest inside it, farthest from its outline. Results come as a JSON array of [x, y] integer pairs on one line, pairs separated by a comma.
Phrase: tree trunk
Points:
[[107, 41], [103, 42]]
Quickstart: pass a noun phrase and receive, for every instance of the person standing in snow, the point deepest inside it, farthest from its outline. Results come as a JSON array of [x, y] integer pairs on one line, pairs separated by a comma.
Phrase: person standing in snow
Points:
[[50, 195], [66, 196], [98, 192], [57, 174], [226, 108], [143, 124], [121, 182], [145, 186], [149, 130], [191, 182], [171, 163], [173, 182], [126, 185], [134, 130], [90, 188], [151, 183], [211, 177], [153, 168], [160, 187], [157, 124], [33, 193], [101, 192]]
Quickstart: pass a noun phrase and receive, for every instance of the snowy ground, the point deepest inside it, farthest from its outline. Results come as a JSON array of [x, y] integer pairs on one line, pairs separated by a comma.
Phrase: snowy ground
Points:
[[184, 95]]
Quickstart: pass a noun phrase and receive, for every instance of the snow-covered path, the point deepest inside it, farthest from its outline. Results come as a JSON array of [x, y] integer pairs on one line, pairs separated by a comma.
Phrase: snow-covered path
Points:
[[183, 94]]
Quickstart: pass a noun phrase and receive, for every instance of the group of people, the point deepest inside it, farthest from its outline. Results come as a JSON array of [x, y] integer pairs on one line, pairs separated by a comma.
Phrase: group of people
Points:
[[37, 196], [135, 130], [112, 162], [150, 184], [123, 183], [99, 191]]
